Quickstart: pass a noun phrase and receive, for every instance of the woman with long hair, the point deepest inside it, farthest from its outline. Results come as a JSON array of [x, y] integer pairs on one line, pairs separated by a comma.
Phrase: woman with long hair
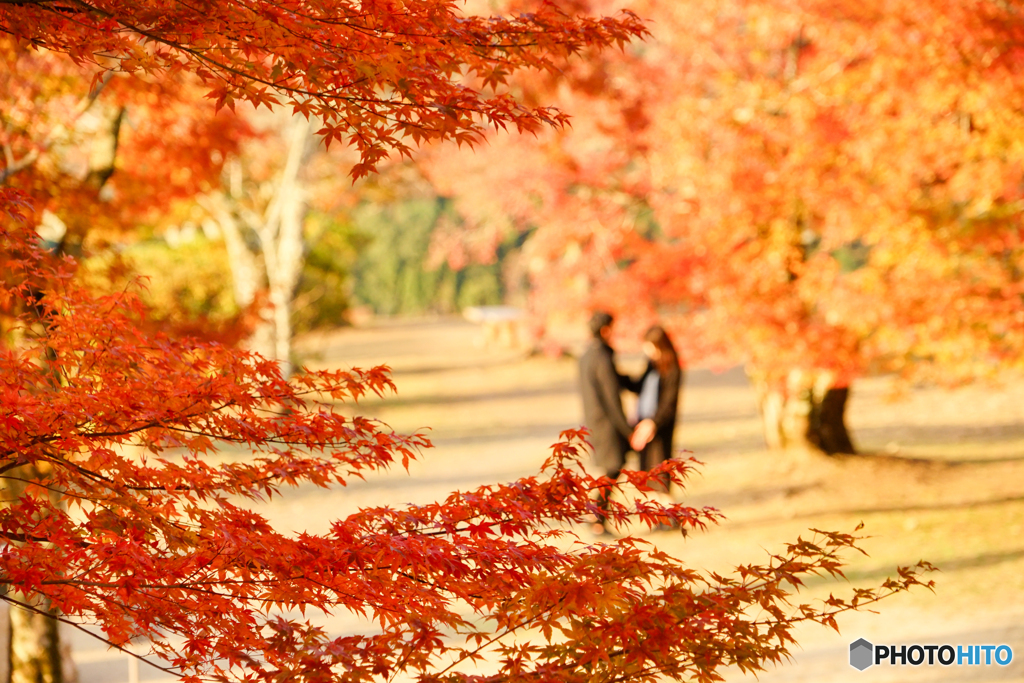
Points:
[[657, 400]]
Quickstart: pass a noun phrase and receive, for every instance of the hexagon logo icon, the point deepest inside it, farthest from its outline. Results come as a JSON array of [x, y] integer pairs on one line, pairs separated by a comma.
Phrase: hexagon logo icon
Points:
[[862, 654]]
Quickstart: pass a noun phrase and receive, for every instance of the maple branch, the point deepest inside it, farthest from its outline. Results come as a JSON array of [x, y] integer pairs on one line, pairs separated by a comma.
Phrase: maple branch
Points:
[[12, 464], [89, 496], [484, 37], [836, 606], [574, 515], [498, 636], [22, 538], [518, 627], [326, 46], [68, 622], [8, 152], [327, 98], [16, 166], [154, 589], [217, 65]]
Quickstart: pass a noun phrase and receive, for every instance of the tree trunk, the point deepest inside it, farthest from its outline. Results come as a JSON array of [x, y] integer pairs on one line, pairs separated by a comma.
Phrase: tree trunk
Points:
[[282, 240], [33, 649], [828, 426], [246, 272], [275, 255], [5, 640], [803, 411], [35, 652]]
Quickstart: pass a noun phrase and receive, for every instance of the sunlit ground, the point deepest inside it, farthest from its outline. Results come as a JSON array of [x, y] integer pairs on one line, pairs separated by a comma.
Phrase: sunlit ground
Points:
[[944, 482]]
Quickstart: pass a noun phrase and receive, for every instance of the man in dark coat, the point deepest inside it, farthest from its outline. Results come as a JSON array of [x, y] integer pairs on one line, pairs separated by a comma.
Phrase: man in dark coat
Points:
[[602, 405]]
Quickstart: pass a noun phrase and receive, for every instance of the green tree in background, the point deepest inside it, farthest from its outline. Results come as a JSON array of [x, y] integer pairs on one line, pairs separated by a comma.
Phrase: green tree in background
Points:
[[394, 273], [324, 293]]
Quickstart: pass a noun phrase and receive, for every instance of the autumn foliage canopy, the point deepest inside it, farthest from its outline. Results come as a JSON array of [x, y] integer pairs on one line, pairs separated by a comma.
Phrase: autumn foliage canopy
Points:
[[380, 75]]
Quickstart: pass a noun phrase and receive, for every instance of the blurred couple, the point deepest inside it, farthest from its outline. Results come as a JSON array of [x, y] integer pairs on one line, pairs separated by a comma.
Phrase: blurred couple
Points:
[[613, 435]]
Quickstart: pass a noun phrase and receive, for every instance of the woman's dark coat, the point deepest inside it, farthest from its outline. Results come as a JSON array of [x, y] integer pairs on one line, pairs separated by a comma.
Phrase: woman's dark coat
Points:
[[669, 384], [602, 406]]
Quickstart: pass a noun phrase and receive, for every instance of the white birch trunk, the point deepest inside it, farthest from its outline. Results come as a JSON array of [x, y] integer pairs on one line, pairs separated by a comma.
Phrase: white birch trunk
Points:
[[281, 245], [282, 240], [246, 275]]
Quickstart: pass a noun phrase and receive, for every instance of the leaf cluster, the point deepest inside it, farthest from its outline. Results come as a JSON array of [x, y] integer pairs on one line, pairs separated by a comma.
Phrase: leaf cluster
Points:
[[379, 74]]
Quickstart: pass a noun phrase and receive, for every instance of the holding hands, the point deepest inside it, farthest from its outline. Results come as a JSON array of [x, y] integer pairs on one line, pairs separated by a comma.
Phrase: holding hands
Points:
[[642, 434]]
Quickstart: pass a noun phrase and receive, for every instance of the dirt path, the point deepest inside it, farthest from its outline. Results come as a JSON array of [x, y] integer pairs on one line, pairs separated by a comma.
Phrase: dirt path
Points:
[[948, 487]]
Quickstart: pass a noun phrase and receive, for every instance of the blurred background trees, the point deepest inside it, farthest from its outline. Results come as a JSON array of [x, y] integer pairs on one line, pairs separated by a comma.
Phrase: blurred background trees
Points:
[[817, 191]]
